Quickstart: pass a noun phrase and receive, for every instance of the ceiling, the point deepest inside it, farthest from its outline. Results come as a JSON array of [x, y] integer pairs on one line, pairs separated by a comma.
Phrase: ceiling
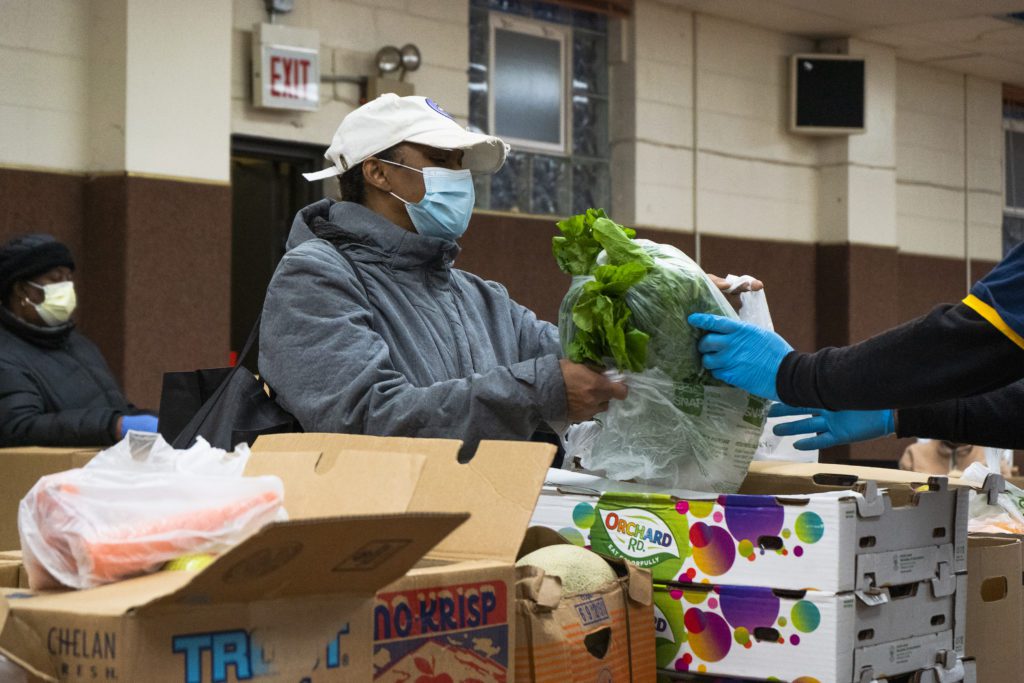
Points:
[[961, 35]]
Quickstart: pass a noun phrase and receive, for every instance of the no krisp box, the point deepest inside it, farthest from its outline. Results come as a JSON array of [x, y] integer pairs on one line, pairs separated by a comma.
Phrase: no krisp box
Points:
[[378, 575]]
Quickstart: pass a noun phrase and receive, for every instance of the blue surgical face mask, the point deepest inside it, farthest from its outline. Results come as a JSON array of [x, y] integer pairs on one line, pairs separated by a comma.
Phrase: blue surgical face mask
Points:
[[447, 204]]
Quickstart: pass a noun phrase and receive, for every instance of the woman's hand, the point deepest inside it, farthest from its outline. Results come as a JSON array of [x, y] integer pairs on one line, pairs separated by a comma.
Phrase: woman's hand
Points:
[[753, 286]]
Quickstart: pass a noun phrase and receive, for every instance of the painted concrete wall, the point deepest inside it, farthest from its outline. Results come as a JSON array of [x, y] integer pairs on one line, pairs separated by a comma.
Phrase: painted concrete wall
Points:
[[111, 88], [351, 32]]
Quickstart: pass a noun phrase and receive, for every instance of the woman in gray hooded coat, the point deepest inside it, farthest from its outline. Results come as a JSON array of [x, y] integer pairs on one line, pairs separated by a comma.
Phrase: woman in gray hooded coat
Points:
[[368, 327]]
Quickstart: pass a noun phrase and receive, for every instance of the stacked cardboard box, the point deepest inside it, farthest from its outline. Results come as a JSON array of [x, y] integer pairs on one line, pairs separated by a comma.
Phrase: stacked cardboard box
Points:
[[948, 670], [12, 571], [606, 635], [396, 564], [22, 468], [995, 606], [806, 575]]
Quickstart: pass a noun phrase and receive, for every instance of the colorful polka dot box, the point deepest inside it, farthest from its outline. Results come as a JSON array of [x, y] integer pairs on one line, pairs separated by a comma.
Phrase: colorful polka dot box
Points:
[[807, 636], [830, 541]]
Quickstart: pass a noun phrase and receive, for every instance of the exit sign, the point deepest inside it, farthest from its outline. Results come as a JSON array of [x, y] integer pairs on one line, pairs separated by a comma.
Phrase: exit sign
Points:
[[288, 71]]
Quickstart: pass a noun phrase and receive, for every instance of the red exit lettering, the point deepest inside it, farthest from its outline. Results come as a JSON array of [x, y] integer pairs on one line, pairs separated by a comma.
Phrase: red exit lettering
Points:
[[289, 77]]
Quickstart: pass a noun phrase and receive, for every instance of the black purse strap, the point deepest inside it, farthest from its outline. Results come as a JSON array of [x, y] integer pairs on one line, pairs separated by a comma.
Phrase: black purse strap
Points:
[[207, 408], [200, 418]]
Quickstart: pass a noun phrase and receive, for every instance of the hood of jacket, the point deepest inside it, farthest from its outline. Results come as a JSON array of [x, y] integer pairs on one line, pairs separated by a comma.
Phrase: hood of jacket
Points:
[[377, 239]]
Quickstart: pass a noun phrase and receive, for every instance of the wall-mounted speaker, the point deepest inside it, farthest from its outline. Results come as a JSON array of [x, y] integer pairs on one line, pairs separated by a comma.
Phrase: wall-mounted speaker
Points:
[[826, 94]]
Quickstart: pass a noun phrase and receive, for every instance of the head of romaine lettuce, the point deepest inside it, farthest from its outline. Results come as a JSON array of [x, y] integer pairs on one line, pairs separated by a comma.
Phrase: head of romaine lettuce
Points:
[[630, 298]]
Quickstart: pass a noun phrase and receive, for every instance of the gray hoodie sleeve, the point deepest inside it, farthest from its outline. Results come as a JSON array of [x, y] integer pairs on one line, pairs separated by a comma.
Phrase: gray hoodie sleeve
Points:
[[536, 337], [334, 373]]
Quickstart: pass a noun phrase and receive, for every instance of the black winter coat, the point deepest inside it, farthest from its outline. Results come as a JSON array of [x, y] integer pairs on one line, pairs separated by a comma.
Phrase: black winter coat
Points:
[[55, 388]]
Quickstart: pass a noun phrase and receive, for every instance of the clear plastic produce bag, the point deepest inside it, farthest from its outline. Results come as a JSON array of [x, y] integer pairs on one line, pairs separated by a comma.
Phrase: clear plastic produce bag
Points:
[[679, 427], [138, 505]]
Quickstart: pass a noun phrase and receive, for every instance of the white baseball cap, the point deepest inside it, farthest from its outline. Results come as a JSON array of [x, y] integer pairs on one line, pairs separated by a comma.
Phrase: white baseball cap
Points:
[[390, 119]]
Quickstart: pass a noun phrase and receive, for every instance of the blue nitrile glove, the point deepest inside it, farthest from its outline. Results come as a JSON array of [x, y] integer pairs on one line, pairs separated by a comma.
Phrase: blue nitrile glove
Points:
[[139, 423], [832, 428], [741, 354]]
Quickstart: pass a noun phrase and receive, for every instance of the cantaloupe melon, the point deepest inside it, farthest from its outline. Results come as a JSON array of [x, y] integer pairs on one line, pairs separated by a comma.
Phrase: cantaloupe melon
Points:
[[580, 570]]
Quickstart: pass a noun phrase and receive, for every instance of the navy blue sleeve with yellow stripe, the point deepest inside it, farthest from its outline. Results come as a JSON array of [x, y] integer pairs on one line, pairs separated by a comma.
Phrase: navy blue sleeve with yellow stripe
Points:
[[999, 296]]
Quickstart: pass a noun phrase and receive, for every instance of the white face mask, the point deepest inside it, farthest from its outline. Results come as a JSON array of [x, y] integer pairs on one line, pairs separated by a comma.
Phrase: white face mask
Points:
[[58, 303]]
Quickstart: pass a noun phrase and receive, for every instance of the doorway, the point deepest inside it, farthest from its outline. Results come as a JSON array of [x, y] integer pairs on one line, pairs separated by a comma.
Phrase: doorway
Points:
[[267, 190]]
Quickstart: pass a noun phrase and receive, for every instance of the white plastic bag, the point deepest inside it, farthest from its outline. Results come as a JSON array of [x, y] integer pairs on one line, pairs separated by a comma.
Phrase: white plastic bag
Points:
[[754, 310], [1006, 517], [577, 441], [679, 427], [647, 437], [138, 505], [753, 305]]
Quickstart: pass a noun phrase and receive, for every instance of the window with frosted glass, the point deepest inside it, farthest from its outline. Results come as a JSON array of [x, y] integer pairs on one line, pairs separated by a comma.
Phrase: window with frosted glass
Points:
[[528, 85], [538, 77]]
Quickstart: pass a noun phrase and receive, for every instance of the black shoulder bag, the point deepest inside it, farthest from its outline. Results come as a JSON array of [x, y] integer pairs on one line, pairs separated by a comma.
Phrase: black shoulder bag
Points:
[[225, 406]]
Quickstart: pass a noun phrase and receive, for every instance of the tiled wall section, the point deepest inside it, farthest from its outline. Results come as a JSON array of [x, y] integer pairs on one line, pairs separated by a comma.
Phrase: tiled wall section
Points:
[[856, 201], [44, 95], [931, 107], [755, 180], [651, 62], [177, 121], [351, 32], [112, 86], [985, 168]]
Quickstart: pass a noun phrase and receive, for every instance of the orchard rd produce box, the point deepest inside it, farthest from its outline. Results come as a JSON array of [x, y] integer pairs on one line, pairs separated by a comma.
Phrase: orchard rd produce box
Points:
[[804, 535], [367, 581], [22, 468], [808, 635], [948, 669]]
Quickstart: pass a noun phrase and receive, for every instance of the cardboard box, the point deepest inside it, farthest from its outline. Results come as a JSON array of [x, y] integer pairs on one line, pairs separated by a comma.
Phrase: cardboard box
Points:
[[10, 574], [12, 571], [331, 594], [995, 607], [810, 536], [908, 520], [807, 635], [447, 620], [607, 635], [22, 468]]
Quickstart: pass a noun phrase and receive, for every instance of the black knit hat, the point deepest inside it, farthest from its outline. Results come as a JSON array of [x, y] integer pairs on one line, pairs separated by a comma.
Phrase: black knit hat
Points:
[[30, 255]]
